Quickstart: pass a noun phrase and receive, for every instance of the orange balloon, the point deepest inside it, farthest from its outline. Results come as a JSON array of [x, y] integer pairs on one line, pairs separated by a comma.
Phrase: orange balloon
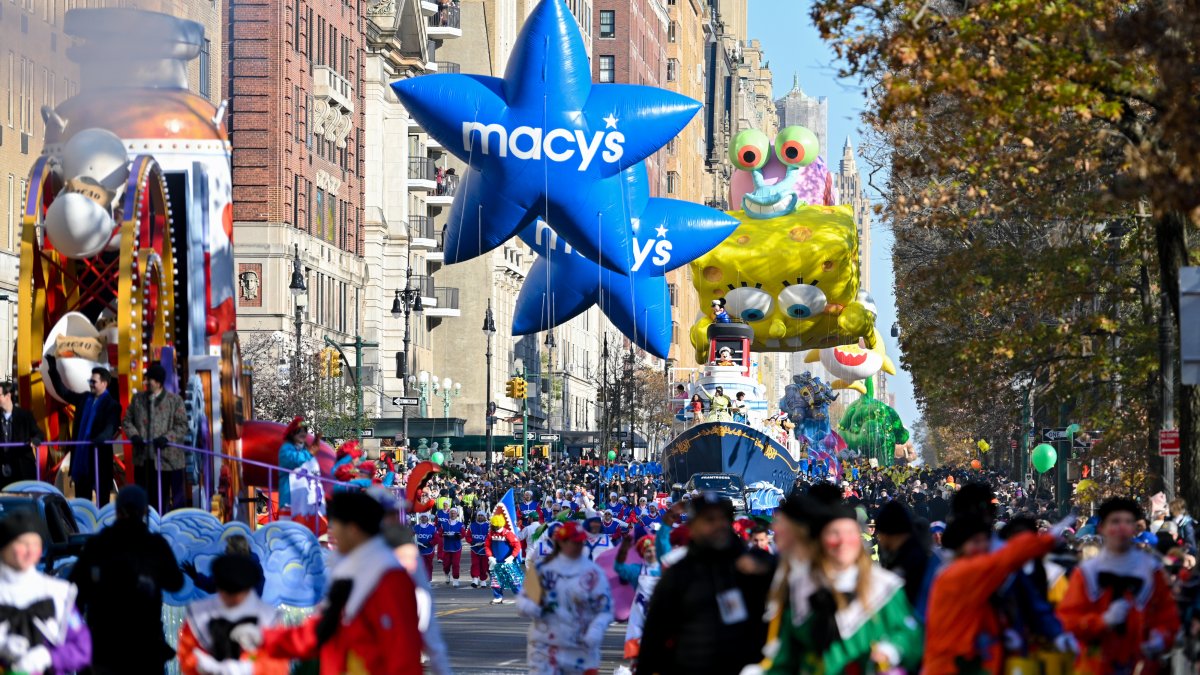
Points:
[[976, 464]]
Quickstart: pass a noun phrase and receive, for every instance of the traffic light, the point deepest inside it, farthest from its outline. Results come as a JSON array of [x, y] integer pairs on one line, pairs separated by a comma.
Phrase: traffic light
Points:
[[335, 363], [519, 388], [324, 362], [510, 388]]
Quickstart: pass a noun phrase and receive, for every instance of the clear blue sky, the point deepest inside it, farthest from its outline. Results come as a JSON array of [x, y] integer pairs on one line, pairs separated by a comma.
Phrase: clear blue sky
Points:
[[792, 45]]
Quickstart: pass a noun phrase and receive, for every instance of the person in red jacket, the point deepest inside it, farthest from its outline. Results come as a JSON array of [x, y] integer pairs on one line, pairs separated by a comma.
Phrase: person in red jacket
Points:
[[368, 623], [1119, 603], [503, 551]]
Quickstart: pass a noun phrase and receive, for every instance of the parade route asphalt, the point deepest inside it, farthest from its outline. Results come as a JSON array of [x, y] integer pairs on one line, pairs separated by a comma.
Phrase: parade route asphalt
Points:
[[484, 639]]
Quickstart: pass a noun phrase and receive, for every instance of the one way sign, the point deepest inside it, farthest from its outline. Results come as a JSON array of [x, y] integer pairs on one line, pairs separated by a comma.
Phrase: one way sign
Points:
[[405, 400]]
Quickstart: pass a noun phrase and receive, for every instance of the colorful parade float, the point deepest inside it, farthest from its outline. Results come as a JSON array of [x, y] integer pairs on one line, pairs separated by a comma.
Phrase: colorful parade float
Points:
[[127, 259]]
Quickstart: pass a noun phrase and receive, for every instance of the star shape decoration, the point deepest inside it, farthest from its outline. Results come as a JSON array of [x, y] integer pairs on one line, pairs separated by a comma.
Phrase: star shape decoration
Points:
[[662, 231], [563, 284], [540, 141]]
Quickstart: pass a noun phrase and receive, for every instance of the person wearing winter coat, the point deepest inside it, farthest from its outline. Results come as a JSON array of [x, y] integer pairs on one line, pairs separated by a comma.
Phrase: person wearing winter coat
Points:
[[155, 419], [121, 575], [205, 646], [42, 631], [368, 622], [571, 612], [705, 616], [1119, 603]]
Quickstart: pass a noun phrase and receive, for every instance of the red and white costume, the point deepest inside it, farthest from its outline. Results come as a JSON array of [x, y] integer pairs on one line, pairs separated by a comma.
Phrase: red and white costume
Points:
[[378, 631], [1153, 618]]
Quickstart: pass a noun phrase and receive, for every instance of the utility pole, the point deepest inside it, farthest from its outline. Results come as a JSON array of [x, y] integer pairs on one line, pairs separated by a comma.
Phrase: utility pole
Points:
[[489, 327], [358, 345], [605, 391], [1166, 338]]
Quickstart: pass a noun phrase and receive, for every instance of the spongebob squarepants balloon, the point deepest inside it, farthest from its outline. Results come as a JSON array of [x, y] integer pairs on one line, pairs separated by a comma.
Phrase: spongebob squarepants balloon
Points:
[[790, 269]]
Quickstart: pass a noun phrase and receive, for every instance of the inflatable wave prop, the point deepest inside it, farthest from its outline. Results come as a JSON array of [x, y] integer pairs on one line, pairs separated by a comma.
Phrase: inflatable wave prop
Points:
[[763, 498], [718, 447], [292, 558]]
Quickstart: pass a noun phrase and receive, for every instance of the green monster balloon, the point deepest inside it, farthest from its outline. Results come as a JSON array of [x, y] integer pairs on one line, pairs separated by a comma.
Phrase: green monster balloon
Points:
[[873, 428], [1044, 457], [437, 458]]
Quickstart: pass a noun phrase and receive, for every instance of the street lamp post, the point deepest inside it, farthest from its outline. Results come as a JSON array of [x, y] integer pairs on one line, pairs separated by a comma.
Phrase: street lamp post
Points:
[[489, 327], [298, 289], [548, 386], [427, 387], [405, 304], [450, 391]]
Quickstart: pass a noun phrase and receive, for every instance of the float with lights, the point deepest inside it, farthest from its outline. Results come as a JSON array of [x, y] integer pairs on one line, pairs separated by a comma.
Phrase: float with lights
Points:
[[127, 237]]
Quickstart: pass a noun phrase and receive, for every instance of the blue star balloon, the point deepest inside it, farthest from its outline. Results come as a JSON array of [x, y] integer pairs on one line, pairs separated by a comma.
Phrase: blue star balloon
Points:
[[667, 234], [541, 141]]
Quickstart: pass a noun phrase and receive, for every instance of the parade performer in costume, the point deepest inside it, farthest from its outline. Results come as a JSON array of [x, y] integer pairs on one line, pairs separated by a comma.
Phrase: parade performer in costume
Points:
[[718, 310], [719, 407], [571, 610], [41, 630], [503, 553], [964, 626], [844, 611], [644, 577], [1119, 603], [452, 541], [611, 526], [369, 622], [426, 534], [725, 357], [477, 536], [205, 646], [293, 454], [529, 506]]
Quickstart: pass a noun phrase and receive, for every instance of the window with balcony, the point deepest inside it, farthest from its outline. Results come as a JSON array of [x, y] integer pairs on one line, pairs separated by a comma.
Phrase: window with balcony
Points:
[[672, 182], [608, 68], [608, 23], [672, 70]]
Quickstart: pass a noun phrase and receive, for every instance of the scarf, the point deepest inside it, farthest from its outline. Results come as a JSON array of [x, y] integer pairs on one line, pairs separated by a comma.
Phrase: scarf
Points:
[[1131, 572], [212, 622]]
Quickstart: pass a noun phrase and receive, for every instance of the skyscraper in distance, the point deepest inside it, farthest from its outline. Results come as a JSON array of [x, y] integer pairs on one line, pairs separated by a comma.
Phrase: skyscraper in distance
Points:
[[798, 108]]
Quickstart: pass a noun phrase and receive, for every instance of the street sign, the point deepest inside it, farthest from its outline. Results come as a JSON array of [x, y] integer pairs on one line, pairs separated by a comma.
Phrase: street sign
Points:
[[548, 437], [405, 400], [368, 433], [532, 435], [1168, 442], [1052, 435]]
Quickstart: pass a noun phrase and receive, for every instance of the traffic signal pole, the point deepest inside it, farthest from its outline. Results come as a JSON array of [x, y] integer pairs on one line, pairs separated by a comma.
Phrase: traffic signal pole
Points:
[[358, 345]]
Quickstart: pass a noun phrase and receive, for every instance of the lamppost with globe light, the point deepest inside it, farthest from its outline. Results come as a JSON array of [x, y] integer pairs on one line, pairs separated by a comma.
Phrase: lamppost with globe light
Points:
[[299, 291], [449, 391], [489, 327]]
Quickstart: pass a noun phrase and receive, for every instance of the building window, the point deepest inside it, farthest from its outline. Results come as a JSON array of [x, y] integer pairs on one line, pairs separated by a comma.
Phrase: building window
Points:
[[672, 31], [12, 80], [608, 23], [320, 212], [673, 291], [299, 112], [607, 69], [204, 67], [297, 190], [672, 182], [296, 25], [333, 48], [672, 70], [320, 41], [12, 209]]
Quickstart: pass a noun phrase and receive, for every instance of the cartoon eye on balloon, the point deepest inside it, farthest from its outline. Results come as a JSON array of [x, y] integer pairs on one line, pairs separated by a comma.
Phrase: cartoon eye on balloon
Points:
[[801, 301], [749, 304], [796, 146], [750, 150]]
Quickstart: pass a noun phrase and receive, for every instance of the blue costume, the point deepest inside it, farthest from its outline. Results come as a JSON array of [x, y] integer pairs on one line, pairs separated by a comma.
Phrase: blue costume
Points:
[[452, 536], [425, 535], [529, 508], [477, 533], [290, 459]]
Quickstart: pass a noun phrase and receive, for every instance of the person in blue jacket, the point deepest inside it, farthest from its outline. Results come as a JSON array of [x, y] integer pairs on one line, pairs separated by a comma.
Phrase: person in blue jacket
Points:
[[452, 540], [425, 533], [477, 534], [294, 452]]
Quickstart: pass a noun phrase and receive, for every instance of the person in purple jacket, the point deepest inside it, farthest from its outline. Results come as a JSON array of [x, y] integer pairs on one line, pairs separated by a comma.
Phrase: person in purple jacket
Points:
[[42, 631]]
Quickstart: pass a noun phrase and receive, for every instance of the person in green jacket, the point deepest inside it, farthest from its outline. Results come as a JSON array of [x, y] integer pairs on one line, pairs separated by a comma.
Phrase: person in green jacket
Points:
[[842, 610]]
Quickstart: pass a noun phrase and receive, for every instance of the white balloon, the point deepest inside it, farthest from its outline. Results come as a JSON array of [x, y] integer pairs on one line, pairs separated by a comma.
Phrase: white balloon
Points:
[[77, 226]]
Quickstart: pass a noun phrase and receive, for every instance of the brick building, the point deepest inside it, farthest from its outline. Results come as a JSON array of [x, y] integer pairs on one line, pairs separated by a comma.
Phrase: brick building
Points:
[[294, 79], [629, 45]]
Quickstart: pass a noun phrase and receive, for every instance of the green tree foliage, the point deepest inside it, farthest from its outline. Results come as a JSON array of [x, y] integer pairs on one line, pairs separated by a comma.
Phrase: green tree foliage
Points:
[[1026, 138]]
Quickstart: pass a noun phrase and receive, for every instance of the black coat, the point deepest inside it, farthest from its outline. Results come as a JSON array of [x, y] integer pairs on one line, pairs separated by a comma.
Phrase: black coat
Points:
[[121, 575], [18, 463], [684, 633], [910, 563], [106, 421]]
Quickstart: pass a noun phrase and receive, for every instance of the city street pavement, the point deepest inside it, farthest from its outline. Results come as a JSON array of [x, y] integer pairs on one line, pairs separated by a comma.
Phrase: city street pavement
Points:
[[483, 638]]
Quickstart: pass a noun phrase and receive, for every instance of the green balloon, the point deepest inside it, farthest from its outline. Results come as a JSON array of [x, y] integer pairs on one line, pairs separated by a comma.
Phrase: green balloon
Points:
[[1044, 457], [437, 458], [612, 454]]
